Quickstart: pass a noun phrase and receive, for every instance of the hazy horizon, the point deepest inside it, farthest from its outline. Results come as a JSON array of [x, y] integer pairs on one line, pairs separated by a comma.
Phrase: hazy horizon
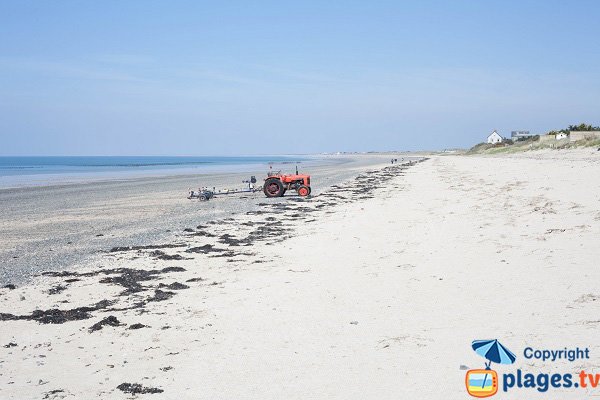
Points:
[[197, 78]]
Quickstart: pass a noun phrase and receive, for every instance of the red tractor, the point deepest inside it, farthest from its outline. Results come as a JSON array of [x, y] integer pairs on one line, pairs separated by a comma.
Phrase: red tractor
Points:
[[277, 184]]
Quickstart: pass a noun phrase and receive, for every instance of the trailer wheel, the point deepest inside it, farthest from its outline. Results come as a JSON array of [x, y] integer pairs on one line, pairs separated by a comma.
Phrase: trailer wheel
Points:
[[202, 197], [303, 191], [273, 188]]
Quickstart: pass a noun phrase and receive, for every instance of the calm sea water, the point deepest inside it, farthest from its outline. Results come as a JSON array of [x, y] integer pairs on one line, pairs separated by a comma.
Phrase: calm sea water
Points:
[[32, 171]]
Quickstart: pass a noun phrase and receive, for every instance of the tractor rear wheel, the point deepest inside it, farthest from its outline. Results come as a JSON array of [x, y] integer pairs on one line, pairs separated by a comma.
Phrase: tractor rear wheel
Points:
[[303, 191], [273, 188]]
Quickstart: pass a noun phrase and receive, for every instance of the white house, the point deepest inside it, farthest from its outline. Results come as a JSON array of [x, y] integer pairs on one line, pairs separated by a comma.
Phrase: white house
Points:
[[494, 138], [561, 135]]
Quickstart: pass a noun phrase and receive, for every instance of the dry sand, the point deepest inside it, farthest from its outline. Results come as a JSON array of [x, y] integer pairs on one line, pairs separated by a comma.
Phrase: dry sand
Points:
[[372, 289]]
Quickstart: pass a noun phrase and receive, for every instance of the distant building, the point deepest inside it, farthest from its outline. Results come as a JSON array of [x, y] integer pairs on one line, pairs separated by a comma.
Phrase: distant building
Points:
[[516, 135], [575, 136], [494, 138], [561, 135]]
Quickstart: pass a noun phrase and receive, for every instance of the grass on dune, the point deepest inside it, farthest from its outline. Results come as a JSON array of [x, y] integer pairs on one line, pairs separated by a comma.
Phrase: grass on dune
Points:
[[527, 145]]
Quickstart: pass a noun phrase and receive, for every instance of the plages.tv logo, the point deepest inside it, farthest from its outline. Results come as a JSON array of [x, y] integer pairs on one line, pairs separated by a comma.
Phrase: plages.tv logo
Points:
[[484, 382]]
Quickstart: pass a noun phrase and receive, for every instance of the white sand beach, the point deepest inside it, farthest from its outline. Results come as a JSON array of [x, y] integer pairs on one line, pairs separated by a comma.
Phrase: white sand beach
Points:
[[373, 288]]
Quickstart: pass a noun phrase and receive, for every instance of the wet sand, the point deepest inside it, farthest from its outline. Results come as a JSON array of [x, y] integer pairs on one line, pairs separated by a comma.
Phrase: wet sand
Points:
[[45, 228]]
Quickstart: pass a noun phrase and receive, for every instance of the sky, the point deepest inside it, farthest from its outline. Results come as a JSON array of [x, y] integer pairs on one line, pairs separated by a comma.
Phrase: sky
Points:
[[248, 77]]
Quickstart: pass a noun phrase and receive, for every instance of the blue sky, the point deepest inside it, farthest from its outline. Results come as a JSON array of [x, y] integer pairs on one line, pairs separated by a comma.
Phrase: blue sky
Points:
[[224, 78]]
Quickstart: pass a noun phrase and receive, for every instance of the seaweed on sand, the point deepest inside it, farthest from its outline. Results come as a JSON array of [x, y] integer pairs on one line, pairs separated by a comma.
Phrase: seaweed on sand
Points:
[[111, 320], [56, 316], [136, 388]]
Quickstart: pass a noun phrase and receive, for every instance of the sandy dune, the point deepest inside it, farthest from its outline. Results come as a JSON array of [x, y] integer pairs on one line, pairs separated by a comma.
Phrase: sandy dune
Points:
[[374, 289]]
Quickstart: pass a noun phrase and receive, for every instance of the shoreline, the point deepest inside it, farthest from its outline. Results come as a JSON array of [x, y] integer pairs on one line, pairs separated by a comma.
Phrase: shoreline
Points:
[[173, 175], [61, 226], [159, 171]]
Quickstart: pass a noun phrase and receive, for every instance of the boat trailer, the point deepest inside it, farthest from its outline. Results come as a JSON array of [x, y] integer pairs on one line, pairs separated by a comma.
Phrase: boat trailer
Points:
[[205, 194]]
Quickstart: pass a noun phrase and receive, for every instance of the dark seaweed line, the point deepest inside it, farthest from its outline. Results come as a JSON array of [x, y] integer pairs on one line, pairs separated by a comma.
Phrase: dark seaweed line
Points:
[[271, 229]]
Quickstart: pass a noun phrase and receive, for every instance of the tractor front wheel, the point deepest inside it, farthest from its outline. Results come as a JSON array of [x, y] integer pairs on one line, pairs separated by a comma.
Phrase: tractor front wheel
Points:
[[303, 191], [273, 188]]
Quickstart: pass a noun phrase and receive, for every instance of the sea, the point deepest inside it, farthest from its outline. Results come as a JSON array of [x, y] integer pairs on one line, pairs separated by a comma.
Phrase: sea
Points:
[[46, 170]]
